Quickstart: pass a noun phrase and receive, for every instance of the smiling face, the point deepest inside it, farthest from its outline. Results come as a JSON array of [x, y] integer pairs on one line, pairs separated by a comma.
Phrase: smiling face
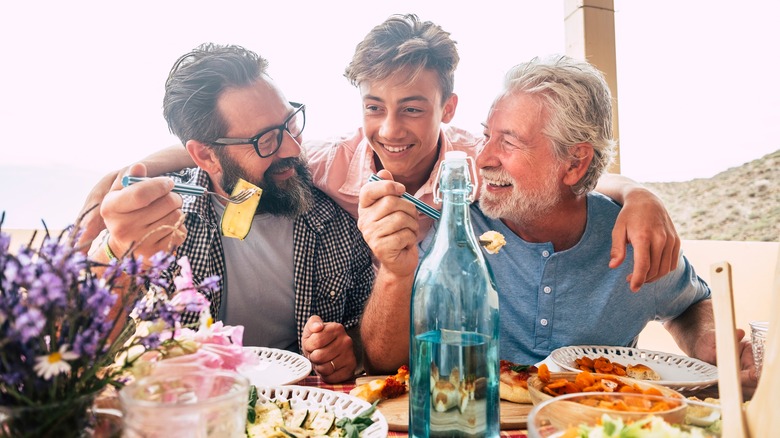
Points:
[[284, 177], [401, 120], [522, 178]]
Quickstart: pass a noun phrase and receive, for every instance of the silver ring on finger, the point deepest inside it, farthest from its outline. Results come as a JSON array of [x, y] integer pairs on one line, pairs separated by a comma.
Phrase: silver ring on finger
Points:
[[333, 365]]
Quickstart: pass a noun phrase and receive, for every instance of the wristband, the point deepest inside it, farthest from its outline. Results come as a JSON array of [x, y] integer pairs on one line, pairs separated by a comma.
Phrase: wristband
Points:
[[109, 253]]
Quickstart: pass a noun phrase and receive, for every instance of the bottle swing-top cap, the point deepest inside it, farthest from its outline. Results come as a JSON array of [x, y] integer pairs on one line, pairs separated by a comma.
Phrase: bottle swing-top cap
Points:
[[450, 157]]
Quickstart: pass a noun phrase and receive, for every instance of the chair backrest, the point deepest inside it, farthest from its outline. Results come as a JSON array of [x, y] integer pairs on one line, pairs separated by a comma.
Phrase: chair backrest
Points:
[[754, 270]]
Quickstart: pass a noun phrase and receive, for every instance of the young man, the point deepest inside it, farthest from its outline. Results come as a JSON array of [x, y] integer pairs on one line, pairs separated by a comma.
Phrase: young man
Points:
[[548, 140], [301, 277], [404, 70]]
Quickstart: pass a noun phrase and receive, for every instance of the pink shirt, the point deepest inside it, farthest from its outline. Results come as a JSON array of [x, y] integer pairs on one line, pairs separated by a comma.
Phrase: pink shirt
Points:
[[340, 167]]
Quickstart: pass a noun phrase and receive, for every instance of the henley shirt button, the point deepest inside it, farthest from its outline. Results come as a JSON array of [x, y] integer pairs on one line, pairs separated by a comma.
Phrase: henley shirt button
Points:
[[545, 253], [333, 293], [543, 322], [547, 289]]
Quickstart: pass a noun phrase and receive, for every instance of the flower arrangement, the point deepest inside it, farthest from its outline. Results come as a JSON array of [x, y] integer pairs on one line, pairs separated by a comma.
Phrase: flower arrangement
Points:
[[210, 346], [63, 320]]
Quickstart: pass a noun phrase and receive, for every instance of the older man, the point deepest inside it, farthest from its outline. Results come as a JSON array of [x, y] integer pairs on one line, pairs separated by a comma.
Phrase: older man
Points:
[[301, 277], [548, 139]]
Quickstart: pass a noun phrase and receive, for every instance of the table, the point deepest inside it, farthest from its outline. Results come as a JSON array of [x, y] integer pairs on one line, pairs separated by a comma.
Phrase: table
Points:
[[347, 386]]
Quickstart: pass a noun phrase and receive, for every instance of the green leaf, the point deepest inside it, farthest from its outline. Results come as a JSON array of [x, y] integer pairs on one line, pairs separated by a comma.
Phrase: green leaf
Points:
[[520, 368], [351, 427], [251, 414]]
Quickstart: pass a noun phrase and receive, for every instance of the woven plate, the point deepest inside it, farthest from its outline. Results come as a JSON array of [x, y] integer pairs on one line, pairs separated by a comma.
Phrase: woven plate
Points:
[[680, 373], [276, 367], [341, 404]]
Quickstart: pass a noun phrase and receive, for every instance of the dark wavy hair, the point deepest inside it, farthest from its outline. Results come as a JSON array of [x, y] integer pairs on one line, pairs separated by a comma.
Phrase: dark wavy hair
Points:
[[196, 81]]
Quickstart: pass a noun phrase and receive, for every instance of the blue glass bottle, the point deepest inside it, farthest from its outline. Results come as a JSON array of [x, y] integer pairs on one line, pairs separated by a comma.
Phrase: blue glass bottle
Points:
[[454, 323]]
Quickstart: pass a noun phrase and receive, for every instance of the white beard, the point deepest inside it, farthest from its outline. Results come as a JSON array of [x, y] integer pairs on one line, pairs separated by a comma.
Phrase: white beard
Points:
[[521, 206]]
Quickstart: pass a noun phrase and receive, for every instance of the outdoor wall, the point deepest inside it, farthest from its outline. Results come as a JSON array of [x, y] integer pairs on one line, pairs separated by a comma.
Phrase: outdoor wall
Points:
[[754, 266]]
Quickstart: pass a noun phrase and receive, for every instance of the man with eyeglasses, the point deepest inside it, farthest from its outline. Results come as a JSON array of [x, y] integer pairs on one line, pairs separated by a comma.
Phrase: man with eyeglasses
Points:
[[300, 279]]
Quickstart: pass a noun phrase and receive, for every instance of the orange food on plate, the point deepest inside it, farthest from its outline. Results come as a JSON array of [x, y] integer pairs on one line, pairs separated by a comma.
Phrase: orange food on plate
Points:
[[383, 389], [587, 382], [602, 365]]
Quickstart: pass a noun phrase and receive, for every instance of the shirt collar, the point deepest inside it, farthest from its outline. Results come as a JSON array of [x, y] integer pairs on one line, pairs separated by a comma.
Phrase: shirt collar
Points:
[[362, 166]]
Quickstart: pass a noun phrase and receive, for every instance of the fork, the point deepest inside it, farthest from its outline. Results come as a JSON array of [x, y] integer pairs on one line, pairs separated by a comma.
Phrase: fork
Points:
[[194, 190], [423, 207]]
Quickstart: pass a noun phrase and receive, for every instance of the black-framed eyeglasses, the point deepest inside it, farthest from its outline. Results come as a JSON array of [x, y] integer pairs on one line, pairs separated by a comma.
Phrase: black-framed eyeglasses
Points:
[[269, 140]]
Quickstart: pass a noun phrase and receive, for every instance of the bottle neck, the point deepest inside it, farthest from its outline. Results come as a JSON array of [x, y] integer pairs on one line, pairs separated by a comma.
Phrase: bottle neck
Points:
[[455, 220]]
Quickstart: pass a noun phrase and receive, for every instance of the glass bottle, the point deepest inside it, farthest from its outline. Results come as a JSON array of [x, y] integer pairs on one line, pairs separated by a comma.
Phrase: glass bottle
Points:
[[454, 322]]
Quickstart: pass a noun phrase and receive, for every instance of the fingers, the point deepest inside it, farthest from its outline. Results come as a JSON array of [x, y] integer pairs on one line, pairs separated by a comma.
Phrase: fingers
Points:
[[646, 225], [389, 224], [329, 349], [373, 191], [749, 372], [90, 220], [145, 217], [618, 251], [313, 325]]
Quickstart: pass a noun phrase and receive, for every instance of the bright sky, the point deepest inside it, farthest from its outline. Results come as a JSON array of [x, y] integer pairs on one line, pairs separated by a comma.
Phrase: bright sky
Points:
[[83, 80]]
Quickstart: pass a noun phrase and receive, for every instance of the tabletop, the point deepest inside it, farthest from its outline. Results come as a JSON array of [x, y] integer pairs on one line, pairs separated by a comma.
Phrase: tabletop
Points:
[[347, 386]]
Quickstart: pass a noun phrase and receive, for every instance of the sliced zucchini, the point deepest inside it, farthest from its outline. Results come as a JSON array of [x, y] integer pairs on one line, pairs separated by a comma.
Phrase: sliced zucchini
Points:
[[323, 423], [310, 418], [237, 218], [268, 413], [295, 417], [268, 417]]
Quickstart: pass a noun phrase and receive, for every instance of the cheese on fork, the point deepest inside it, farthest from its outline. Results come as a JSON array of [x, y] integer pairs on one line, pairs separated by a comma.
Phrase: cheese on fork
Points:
[[496, 241], [237, 218]]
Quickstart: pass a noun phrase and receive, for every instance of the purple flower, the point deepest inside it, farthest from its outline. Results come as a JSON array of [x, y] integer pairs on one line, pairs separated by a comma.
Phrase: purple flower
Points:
[[54, 316], [210, 284], [29, 323], [86, 342], [46, 290]]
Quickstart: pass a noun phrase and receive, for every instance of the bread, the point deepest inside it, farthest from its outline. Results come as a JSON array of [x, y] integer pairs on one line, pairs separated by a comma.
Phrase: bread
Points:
[[513, 393], [641, 372], [370, 391]]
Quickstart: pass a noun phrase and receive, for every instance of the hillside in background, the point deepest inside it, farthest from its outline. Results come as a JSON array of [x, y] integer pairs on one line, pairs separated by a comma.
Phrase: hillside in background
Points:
[[741, 203]]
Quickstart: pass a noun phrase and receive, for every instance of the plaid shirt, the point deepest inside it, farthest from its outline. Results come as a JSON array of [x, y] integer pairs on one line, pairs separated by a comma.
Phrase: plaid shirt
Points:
[[332, 264]]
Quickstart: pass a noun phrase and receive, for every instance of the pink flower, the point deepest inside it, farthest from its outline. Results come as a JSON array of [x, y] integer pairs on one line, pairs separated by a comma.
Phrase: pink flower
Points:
[[184, 281], [219, 347]]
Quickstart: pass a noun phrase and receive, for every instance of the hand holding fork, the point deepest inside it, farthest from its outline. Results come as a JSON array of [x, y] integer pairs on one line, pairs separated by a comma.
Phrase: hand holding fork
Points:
[[195, 190]]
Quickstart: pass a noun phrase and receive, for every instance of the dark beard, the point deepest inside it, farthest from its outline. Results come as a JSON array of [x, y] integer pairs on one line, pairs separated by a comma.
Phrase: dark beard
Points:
[[291, 198]]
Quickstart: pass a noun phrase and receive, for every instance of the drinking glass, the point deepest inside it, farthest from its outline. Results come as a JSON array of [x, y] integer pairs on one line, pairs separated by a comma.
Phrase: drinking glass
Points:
[[758, 330], [195, 402]]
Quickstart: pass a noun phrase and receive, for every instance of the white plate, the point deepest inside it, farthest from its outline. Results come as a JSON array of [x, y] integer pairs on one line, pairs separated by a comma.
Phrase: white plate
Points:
[[680, 373], [276, 367], [341, 404]]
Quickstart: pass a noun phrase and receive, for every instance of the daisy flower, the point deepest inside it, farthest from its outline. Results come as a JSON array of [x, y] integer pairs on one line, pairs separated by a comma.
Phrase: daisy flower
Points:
[[52, 364]]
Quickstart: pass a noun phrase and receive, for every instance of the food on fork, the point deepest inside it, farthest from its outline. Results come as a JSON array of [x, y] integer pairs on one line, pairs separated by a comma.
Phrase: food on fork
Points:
[[495, 241], [237, 218], [513, 380], [383, 389]]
